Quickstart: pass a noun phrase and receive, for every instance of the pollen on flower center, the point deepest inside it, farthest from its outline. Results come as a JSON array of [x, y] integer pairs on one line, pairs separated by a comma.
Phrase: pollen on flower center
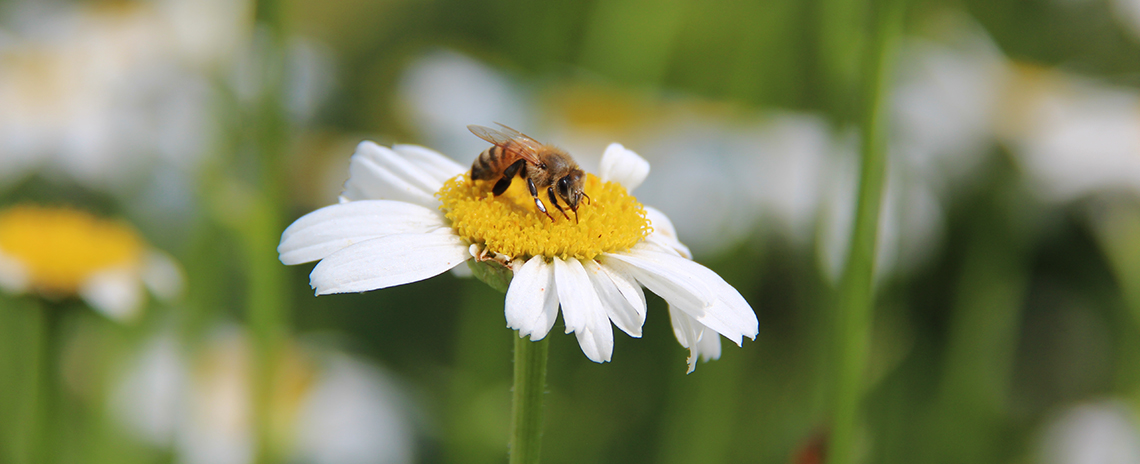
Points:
[[61, 248], [511, 224]]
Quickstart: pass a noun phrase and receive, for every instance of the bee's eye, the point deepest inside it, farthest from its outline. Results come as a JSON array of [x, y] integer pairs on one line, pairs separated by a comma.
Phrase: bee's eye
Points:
[[564, 186]]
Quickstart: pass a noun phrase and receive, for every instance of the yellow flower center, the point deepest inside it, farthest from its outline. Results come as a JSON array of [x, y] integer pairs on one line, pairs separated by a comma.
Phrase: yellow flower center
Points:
[[61, 248], [511, 224]]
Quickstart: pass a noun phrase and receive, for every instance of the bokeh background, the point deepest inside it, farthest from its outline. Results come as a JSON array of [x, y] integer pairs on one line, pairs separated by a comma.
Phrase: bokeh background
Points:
[[1006, 326]]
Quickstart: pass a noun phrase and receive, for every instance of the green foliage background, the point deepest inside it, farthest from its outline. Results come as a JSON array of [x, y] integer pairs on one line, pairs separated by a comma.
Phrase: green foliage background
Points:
[[1023, 310]]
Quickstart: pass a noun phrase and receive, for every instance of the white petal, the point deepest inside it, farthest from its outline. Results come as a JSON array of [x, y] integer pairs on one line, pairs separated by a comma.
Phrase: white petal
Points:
[[582, 310], [667, 275], [703, 343], [377, 172], [677, 280], [626, 310], [532, 300], [430, 161], [332, 228], [387, 262], [683, 327], [629, 289], [623, 166], [664, 234], [708, 347], [731, 309], [117, 293], [163, 276], [14, 277]]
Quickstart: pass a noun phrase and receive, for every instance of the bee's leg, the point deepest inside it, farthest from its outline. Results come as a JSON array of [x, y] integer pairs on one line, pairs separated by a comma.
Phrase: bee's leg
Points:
[[554, 200], [537, 201], [508, 176]]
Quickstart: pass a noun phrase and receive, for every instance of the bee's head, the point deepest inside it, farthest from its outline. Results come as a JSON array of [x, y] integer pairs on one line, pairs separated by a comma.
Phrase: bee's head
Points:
[[570, 188]]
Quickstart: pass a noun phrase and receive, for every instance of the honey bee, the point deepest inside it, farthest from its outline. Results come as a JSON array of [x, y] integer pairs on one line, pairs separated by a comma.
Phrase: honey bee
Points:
[[543, 167]]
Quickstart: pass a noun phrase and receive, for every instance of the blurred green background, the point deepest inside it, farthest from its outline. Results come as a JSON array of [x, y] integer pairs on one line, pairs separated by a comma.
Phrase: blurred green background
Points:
[[1006, 323]]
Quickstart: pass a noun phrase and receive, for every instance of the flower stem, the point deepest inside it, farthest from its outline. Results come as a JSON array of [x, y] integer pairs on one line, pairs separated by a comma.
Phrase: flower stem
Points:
[[267, 305], [526, 414], [856, 292], [43, 385]]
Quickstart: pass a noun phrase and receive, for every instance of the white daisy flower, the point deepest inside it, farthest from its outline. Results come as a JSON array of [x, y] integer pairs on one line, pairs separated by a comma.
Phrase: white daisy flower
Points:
[[1072, 136], [408, 213], [59, 252]]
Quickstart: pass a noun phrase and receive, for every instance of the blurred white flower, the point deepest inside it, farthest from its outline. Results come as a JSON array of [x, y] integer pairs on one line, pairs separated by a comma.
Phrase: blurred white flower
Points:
[[945, 104], [1127, 12], [342, 421], [738, 176], [326, 407], [148, 398], [1103, 432], [60, 252], [1073, 136], [443, 91], [307, 73], [98, 93]]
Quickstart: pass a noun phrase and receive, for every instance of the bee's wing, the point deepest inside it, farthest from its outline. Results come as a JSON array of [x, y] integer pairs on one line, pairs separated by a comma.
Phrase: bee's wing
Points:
[[510, 139]]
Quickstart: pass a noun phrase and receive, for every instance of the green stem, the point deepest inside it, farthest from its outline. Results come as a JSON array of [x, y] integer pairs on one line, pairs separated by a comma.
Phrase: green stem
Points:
[[856, 292], [268, 308], [526, 415], [43, 385]]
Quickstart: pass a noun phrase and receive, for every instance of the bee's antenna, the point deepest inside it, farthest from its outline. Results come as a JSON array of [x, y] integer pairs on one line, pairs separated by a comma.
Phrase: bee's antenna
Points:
[[587, 197]]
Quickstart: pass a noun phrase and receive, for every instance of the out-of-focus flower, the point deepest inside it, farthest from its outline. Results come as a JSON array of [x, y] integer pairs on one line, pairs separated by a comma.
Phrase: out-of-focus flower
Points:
[[307, 74], [946, 103], [1073, 136], [1102, 433], [1127, 12], [760, 172], [59, 252], [326, 407], [443, 91], [409, 213], [98, 93]]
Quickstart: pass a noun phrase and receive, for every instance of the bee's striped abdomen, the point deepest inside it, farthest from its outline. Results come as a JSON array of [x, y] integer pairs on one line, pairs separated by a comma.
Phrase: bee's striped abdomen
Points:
[[485, 166]]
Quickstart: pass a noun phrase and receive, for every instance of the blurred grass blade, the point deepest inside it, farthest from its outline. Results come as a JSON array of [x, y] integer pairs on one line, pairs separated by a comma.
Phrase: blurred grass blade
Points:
[[841, 44], [856, 296], [267, 305]]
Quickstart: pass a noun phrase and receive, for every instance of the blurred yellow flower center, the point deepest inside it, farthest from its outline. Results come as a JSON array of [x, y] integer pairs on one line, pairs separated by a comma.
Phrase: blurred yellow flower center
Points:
[[511, 224], [60, 248]]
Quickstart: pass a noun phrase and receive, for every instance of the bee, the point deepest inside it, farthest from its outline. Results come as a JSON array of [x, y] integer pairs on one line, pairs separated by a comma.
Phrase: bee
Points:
[[544, 167]]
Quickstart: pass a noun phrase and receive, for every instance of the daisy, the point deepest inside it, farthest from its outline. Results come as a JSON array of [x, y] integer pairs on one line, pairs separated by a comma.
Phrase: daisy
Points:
[[408, 213], [60, 252]]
